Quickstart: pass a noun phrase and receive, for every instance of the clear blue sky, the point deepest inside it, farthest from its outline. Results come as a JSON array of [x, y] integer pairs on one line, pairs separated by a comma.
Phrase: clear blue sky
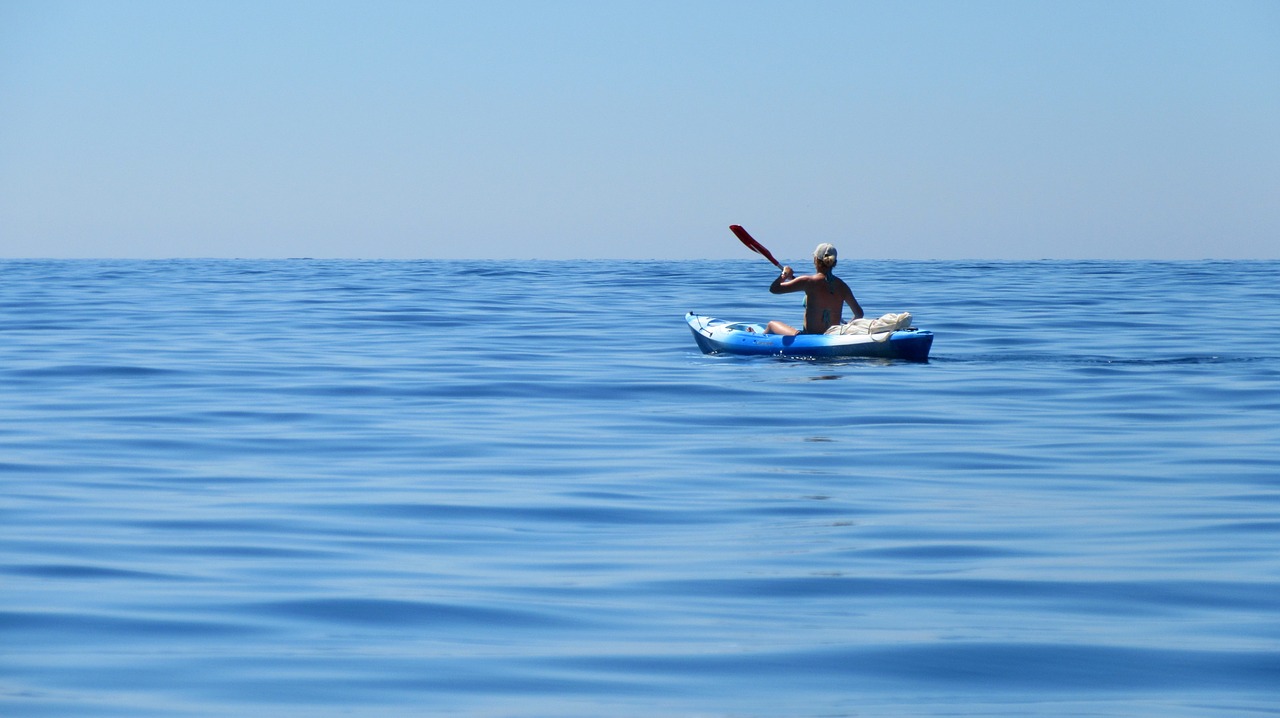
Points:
[[608, 129]]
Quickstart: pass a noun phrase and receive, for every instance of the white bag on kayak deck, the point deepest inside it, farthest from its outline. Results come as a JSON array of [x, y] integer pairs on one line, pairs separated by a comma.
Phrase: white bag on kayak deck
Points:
[[888, 323]]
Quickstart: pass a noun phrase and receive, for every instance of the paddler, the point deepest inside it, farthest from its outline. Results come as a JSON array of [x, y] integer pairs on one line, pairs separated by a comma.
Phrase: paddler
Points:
[[825, 295]]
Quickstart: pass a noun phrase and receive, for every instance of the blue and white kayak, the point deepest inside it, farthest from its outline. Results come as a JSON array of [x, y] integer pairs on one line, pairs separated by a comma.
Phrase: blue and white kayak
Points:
[[719, 336]]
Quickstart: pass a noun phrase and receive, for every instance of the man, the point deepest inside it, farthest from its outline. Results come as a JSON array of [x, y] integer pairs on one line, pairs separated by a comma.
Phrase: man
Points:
[[825, 295]]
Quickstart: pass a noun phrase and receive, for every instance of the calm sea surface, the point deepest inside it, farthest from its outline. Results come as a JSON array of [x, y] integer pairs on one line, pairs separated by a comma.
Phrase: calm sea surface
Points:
[[322, 488]]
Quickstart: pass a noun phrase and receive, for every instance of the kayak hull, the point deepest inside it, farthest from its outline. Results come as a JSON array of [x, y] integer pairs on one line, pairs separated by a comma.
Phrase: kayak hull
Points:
[[718, 336]]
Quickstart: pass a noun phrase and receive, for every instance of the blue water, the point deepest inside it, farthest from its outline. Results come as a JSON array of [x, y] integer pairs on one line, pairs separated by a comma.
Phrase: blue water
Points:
[[322, 488]]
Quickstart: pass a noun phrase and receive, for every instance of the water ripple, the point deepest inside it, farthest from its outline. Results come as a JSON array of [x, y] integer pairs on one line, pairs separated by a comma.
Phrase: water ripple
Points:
[[321, 488]]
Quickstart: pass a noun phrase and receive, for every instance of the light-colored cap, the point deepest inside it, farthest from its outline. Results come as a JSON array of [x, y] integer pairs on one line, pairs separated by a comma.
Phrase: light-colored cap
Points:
[[824, 250]]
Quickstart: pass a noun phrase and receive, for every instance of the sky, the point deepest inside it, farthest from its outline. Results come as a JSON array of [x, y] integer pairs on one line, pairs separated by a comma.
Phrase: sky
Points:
[[613, 129]]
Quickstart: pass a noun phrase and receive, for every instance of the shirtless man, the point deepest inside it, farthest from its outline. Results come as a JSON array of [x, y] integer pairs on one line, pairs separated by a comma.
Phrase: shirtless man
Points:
[[825, 295]]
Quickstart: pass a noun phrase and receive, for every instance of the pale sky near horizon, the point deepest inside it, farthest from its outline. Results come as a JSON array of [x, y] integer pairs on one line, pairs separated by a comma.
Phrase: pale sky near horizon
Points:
[[916, 130]]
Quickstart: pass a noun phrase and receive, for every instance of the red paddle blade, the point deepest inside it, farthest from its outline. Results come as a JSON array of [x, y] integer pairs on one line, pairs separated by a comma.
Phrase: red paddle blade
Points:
[[752, 244]]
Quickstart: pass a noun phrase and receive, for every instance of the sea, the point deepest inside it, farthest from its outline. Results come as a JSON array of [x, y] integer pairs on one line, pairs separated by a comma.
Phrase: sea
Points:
[[461, 488]]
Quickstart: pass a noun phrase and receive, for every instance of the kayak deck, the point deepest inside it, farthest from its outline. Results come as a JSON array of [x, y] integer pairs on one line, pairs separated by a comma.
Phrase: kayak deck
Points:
[[719, 336]]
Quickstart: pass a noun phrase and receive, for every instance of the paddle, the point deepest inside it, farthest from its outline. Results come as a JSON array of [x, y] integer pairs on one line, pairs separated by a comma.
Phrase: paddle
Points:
[[752, 244]]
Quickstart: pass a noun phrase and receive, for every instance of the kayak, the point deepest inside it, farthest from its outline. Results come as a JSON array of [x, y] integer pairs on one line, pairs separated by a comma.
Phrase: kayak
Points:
[[719, 336]]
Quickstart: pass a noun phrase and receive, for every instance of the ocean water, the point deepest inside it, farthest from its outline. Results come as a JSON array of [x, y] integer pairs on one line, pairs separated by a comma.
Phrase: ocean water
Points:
[[365, 488]]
